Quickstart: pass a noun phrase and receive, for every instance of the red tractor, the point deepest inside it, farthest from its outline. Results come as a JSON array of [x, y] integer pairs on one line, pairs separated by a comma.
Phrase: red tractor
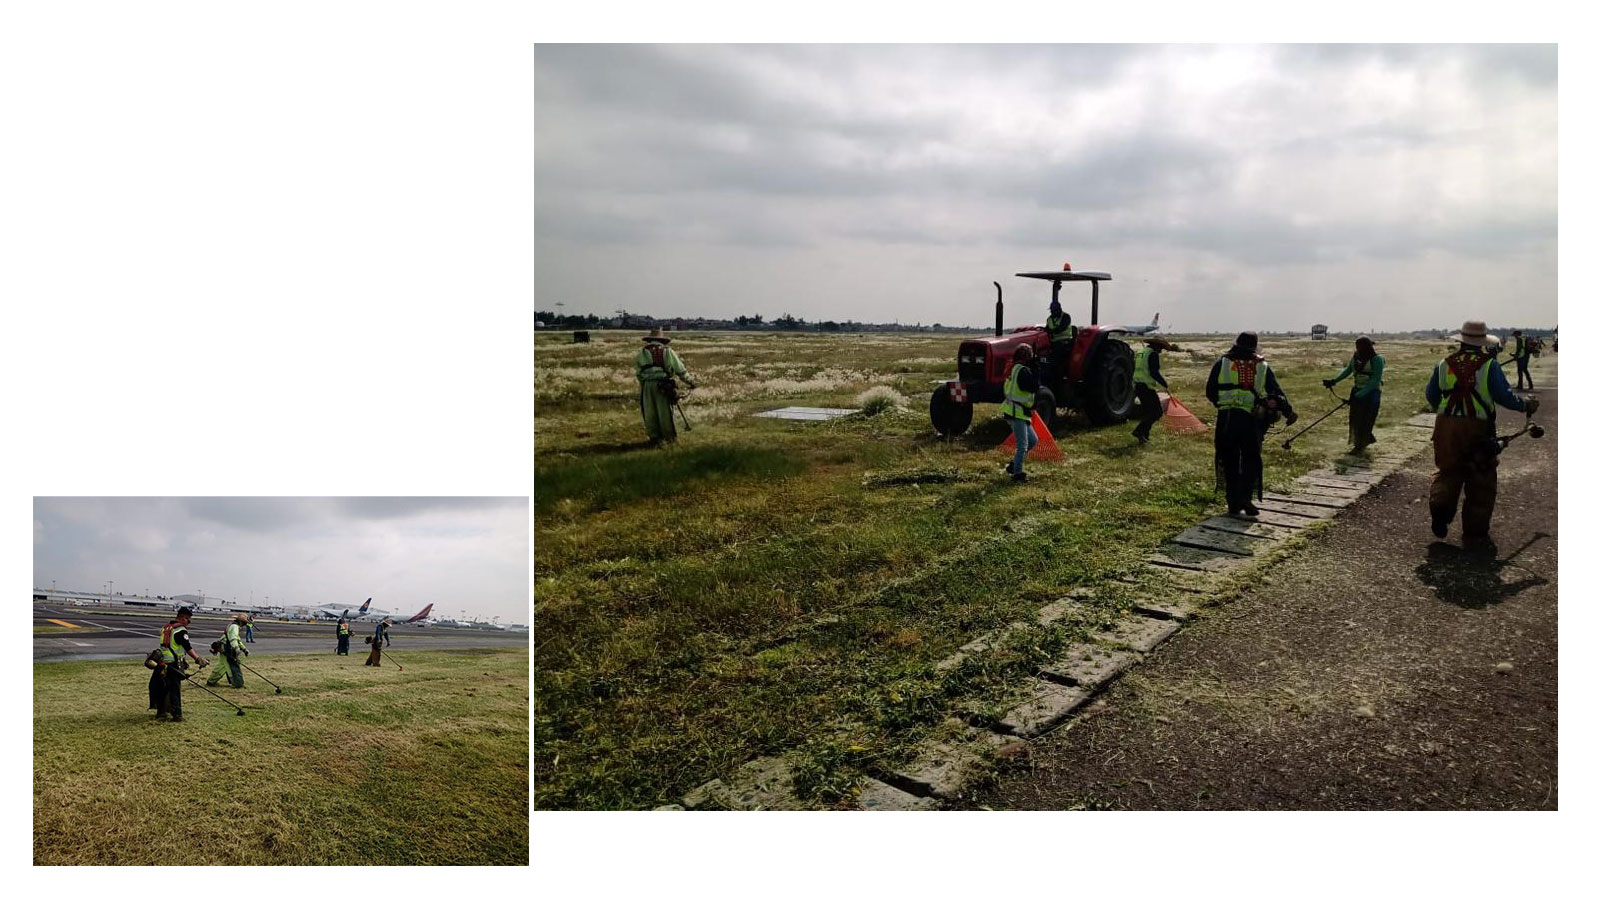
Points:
[[1091, 372]]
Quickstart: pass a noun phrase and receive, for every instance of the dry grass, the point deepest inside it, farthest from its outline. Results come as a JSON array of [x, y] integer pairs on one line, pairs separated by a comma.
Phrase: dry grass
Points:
[[349, 766], [766, 583]]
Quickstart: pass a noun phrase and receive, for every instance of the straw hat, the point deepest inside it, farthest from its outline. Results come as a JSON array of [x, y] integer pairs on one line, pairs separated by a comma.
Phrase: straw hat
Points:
[[1472, 333], [657, 335], [1160, 343]]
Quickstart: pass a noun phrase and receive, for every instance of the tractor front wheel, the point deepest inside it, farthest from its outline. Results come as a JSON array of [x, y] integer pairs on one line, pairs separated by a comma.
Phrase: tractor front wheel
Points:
[[1110, 384], [949, 417]]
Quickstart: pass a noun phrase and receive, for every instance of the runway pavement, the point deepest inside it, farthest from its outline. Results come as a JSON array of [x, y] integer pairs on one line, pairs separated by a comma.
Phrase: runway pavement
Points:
[[89, 633]]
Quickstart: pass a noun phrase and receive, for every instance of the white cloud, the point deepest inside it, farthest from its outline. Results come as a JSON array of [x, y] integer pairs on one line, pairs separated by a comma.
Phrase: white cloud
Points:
[[894, 183]]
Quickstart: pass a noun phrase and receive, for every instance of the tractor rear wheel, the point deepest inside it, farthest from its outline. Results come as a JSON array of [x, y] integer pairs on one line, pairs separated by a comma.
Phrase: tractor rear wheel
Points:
[[1110, 384], [949, 417], [1044, 403]]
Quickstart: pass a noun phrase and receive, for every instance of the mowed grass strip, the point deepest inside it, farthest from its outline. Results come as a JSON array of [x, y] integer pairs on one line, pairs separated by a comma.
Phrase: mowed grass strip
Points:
[[768, 587], [350, 765]]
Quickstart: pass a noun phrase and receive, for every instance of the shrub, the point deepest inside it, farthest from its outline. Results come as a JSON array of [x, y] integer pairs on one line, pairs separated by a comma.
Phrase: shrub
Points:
[[879, 399]]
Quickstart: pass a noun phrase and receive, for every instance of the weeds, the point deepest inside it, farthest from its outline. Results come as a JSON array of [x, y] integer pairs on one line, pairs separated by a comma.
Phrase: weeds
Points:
[[748, 591]]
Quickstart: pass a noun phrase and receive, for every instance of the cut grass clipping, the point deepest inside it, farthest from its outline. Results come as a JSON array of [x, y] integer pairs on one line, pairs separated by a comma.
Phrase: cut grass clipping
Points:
[[350, 765], [768, 587]]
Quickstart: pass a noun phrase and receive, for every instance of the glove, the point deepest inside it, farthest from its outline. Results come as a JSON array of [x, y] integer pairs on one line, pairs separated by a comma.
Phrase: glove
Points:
[[1530, 405], [1328, 382], [246, 652], [203, 663]]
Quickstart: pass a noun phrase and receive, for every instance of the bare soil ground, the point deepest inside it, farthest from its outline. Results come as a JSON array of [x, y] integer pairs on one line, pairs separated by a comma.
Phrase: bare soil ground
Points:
[[1380, 669]]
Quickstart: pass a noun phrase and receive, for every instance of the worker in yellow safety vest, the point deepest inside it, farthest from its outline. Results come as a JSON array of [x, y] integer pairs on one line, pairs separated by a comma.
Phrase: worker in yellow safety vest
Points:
[[1022, 385], [1463, 391], [1147, 379], [170, 663], [1248, 400]]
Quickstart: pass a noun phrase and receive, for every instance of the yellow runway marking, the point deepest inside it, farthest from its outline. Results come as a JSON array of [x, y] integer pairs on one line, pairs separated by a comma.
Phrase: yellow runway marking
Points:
[[67, 624]]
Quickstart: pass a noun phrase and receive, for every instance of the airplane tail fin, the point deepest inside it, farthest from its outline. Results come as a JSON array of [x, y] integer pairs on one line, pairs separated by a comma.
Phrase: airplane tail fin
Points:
[[422, 615], [363, 610], [1156, 321]]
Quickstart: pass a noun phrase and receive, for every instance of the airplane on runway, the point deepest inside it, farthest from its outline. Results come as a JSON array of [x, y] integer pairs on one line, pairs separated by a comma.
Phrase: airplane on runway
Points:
[[338, 611], [1143, 329], [366, 613]]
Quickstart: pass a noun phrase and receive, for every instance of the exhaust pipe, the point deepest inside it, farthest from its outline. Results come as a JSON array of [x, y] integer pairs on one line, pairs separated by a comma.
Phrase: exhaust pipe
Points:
[[999, 308]]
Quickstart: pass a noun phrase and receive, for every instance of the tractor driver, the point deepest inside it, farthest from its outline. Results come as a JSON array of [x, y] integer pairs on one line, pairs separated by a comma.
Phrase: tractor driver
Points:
[[1062, 332]]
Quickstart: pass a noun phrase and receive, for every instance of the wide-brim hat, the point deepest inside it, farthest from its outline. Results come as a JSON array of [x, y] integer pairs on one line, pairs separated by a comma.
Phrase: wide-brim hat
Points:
[[1160, 343], [241, 617], [657, 335], [1473, 333]]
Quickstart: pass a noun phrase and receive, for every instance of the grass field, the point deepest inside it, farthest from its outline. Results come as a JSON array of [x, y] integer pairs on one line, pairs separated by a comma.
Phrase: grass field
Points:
[[350, 765], [770, 586]]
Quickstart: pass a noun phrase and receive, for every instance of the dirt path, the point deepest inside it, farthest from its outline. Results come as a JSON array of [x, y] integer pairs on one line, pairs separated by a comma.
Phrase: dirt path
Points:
[[1369, 672]]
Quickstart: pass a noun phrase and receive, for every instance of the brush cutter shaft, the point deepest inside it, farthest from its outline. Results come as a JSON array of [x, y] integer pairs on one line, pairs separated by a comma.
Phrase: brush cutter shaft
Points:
[[259, 675], [1346, 402]]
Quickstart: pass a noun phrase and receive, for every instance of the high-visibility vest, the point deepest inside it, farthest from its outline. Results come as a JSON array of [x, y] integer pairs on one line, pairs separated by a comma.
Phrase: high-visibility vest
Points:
[[170, 651], [1520, 350], [231, 635], [1059, 329], [1236, 379], [1472, 401], [1141, 369], [1018, 403], [344, 628], [1361, 372]]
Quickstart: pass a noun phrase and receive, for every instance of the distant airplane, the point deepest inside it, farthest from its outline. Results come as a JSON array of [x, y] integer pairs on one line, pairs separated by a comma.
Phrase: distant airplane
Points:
[[338, 611], [366, 612], [1144, 329]]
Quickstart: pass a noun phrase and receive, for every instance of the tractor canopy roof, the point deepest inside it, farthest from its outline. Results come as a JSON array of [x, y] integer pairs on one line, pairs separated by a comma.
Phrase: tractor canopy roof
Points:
[[1067, 276]]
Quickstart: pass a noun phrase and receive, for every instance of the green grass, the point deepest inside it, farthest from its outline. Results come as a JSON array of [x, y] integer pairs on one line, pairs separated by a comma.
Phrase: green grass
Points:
[[349, 766], [771, 587]]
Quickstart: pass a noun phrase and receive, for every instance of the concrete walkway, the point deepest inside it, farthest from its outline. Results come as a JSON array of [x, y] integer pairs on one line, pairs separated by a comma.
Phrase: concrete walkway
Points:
[[1377, 669]]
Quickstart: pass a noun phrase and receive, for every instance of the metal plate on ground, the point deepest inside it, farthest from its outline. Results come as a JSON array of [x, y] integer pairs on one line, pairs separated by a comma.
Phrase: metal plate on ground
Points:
[[1349, 475], [1421, 420], [1256, 527], [1089, 665], [1322, 490], [1181, 557], [1304, 510], [1335, 482], [1138, 632], [940, 768], [1301, 498], [805, 413], [1180, 608], [766, 783], [876, 796], [1270, 516], [1049, 706], [1213, 539]]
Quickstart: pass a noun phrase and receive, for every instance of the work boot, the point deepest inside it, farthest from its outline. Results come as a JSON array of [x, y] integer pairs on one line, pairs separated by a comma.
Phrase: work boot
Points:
[[1441, 527], [177, 718], [1250, 510], [1019, 477], [1479, 544], [160, 716]]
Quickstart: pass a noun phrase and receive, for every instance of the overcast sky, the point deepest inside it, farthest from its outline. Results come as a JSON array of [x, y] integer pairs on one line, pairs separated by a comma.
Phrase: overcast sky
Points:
[[1262, 186], [403, 552]]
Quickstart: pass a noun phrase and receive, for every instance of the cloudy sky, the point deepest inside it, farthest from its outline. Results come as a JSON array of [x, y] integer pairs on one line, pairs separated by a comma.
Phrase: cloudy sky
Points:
[[404, 553], [1264, 186]]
